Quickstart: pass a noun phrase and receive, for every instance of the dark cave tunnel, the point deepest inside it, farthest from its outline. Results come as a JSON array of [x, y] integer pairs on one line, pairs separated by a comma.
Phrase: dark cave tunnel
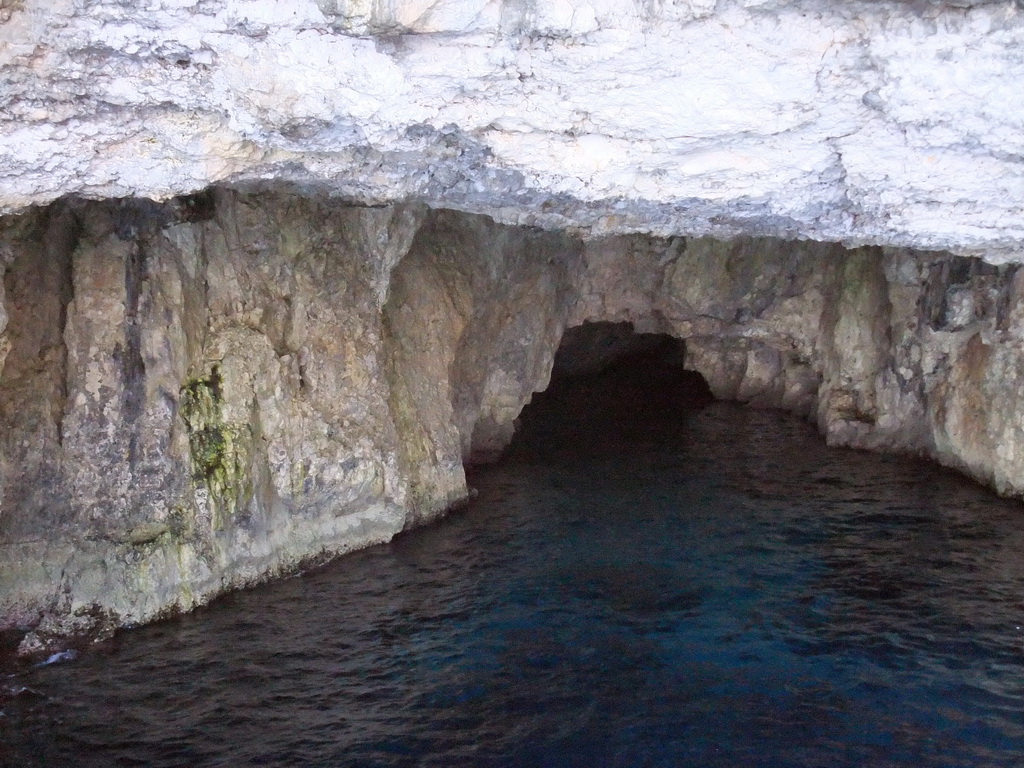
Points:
[[610, 387]]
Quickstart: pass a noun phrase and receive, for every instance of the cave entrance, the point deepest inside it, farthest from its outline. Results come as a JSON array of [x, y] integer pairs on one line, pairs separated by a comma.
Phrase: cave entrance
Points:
[[610, 387]]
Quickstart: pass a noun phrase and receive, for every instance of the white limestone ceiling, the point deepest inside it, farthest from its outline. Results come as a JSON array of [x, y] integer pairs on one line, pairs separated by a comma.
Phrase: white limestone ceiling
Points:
[[862, 122]]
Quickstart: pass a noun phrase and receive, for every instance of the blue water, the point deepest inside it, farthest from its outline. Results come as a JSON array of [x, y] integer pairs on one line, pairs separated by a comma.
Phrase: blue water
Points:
[[712, 587]]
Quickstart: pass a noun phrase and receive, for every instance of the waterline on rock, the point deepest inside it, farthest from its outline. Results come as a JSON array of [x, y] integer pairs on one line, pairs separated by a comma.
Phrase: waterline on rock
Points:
[[720, 589]]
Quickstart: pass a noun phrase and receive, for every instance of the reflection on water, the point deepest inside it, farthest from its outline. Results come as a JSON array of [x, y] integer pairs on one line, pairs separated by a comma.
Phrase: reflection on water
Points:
[[630, 588]]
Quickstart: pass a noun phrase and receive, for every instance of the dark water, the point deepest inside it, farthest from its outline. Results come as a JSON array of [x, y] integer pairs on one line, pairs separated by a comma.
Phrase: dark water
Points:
[[710, 589]]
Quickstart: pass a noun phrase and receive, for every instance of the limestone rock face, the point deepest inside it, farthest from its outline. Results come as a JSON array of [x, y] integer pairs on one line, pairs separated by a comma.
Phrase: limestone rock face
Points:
[[864, 121], [200, 394], [195, 398]]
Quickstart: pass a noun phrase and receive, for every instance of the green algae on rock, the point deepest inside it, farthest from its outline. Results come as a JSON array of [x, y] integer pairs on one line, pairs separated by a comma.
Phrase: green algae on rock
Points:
[[218, 456]]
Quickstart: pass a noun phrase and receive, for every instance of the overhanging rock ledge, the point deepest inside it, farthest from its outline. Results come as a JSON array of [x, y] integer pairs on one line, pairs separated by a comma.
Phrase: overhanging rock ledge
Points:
[[884, 123]]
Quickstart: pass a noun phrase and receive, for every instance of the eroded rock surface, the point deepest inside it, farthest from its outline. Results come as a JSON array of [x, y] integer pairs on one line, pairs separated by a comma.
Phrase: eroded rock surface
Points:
[[200, 394], [195, 397], [862, 121]]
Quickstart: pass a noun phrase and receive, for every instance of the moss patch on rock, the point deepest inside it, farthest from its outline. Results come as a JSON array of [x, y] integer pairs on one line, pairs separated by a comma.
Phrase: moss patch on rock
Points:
[[217, 455]]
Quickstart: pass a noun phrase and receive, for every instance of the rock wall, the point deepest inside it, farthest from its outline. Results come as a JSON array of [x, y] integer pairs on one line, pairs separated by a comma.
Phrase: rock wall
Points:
[[196, 395], [199, 394], [887, 349]]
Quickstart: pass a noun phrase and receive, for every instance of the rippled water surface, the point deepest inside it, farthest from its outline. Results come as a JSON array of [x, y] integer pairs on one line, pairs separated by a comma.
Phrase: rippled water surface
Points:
[[715, 588]]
